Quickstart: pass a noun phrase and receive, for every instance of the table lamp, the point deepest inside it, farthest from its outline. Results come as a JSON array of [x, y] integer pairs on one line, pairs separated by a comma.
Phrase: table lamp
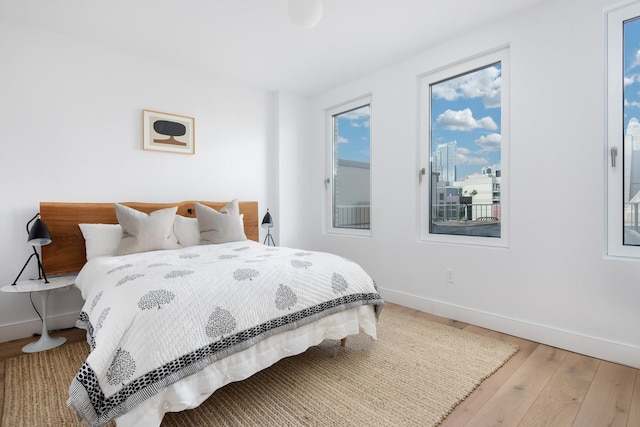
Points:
[[38, 236], [267, 222]]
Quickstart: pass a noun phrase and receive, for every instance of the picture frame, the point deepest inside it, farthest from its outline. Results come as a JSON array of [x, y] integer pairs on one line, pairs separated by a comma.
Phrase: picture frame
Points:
[[168, 132]]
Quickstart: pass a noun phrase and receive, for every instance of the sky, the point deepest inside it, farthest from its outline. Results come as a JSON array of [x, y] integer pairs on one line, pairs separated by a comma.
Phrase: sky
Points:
[[631, 71], [467, 109], [354, 136]]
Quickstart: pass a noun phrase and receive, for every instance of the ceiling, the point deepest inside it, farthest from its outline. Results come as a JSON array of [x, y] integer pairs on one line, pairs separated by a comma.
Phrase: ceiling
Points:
[[254, 42]]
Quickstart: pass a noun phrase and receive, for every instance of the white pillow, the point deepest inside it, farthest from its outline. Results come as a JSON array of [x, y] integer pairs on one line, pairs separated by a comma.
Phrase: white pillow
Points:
[[221, 226], [143, 232], [101, 239], [187, 231]]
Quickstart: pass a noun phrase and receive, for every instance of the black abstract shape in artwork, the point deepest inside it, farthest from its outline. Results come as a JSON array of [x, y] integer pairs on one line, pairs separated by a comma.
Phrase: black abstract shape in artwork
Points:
[[155, 299], [220, 322], [170, 129], [285, 297], [242, 274], [338, 283], [122, 368]]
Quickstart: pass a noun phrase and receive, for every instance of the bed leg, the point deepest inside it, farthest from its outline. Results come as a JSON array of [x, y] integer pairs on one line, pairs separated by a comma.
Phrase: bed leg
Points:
[[343, 342]]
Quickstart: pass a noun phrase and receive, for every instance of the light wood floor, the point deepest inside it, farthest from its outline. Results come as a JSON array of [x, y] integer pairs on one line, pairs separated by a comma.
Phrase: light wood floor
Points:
[[539, 386]]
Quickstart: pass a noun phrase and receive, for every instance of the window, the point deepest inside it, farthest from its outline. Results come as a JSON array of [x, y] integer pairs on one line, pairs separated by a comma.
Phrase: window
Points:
[[623, 131], [349, 182], [464, 152]]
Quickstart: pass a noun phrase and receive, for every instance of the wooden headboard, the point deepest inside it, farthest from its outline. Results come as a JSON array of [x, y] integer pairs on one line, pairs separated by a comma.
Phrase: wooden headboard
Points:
[[67, 254]]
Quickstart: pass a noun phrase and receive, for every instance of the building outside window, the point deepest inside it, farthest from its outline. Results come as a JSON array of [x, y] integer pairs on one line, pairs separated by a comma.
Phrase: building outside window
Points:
[[623, 129], [349, 180], [463, 148]]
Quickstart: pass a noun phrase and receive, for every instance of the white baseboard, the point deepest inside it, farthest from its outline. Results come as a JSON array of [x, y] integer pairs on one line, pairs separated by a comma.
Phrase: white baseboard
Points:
[[26, 329], [612, 351]]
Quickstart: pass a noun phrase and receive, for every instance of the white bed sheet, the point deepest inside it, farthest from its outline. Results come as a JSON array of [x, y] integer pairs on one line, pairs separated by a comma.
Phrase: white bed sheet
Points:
[[195, 389]]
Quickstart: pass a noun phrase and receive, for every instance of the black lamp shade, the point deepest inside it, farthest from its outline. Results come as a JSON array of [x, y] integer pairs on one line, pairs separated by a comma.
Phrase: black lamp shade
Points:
[[39, 234], [267, 221]]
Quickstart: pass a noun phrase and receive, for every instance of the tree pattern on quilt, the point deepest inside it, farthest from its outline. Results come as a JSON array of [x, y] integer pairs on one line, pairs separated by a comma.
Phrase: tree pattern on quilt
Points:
[[285, 298], [158, 264], [220, 322], [120, 267], [155, 299], [122, 368], [129, 278], [338, 283], [178, 273], [243, 274], [95, 301], [102, 318], [300, 264]]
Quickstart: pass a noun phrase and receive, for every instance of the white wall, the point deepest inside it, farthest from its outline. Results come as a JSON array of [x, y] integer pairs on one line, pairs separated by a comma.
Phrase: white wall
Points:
[[553, 284], [294, 178], [71, 120]]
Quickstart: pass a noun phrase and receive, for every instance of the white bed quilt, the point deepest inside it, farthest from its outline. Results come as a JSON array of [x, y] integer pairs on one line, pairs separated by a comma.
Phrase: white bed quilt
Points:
[[155, 318]]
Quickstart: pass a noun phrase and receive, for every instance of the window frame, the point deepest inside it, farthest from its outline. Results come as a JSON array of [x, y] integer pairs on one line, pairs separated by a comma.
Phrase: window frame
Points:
[[614, 19], [425, 80], [331, 173]]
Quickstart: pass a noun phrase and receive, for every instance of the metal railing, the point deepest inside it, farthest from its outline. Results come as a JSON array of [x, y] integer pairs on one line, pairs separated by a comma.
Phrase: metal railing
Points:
[[358, 216], [631, 216], [351, 216], [465, 212]]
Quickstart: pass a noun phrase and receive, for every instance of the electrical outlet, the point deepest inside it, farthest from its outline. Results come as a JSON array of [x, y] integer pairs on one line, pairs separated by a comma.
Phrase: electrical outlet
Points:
[[450, 275]]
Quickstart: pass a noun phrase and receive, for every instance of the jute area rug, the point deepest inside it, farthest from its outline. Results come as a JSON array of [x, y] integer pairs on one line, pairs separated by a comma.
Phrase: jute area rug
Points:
[[413, 375]]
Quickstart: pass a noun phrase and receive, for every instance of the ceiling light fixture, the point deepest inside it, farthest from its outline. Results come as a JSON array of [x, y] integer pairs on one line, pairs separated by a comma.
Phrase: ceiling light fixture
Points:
[[305, 13]]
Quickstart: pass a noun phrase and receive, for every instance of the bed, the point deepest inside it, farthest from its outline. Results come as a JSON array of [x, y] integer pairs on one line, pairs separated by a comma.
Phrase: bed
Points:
[[181, 299]]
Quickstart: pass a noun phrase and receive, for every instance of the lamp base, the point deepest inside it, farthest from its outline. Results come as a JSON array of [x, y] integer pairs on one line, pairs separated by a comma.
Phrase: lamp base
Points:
[[44, 343], [268, 240]]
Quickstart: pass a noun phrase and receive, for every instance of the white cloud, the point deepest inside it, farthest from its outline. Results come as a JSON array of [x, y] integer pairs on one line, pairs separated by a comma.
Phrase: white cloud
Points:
[[468, 159], [485, 83], [629, 80], [342, 140], [357, 124], [636, 61], [631, 104], [357, 114], [445, 90], [360, 117], [489, 142], [464, 121]]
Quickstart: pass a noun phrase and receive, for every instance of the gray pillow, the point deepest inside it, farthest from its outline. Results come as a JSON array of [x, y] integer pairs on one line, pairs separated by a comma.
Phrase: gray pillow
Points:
[[143, 232], [221, 226]]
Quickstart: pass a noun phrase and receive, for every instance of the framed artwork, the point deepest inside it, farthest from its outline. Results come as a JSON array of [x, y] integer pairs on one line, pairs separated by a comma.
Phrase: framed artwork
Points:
[[168, 132]]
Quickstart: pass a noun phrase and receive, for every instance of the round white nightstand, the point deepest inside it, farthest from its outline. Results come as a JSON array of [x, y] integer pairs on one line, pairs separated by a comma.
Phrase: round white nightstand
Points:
[[43, 289]]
